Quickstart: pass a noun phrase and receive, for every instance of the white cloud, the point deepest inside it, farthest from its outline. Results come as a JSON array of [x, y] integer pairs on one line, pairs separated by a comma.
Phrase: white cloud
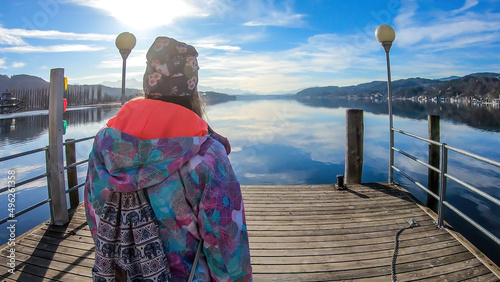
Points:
[[9, 39], [215, 43], [467, 5], [138, 13], [18, 64], [2, 63], [437, 30], [406, 13], [321, 59], [136, 59], [283, 19], [265, 13], [54, 34], [217, 47], [51, 49], [15, 36]]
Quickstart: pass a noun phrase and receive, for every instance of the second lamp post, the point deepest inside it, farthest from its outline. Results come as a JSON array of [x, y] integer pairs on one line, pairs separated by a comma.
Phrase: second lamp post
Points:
[[385, 35], [125, 42]]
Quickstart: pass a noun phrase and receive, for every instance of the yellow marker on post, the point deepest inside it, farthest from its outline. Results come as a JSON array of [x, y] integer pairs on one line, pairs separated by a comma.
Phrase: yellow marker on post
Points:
[[65, 83]]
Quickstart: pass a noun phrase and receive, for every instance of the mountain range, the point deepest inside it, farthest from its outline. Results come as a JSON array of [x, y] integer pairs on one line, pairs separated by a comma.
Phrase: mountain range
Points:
[[484, 85], [477, 85]]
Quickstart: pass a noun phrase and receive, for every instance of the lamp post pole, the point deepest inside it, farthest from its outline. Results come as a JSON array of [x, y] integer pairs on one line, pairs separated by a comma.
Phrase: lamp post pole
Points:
[[386, 35], [124, 53], [125, 42], [389, 102]]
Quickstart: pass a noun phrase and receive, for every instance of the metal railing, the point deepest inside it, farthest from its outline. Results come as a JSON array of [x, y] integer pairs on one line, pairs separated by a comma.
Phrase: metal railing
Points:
[[444, 176], [54, 160], [46, 174]]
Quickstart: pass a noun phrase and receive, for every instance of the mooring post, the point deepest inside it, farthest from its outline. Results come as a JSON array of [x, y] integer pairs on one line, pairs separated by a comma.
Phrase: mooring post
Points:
[[71, 173], [57, 190], [354, 146], [434, 160]]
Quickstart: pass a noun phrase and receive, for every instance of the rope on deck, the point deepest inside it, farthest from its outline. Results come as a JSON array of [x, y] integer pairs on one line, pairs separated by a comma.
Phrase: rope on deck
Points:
[[413, 223]]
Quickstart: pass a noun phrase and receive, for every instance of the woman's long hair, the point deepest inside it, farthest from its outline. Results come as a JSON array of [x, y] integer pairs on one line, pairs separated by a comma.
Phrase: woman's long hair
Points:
[[193, 103]]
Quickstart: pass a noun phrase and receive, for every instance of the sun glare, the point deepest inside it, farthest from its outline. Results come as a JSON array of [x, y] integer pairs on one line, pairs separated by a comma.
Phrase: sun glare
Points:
[[146, 13]]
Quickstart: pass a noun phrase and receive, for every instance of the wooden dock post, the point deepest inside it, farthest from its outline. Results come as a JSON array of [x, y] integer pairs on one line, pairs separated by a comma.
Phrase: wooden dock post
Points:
[[354, 146], [434, 160], [71, 173], [55, 179]]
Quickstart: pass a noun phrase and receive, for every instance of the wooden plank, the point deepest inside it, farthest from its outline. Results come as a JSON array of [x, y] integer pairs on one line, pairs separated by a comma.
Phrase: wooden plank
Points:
[[490, 277], [334, 231], [81, 243], [342, 256], [49, 269], [67, 266], [405, 264], [319, 217], [297, 233], [353, 225], [455, 273], [322, 251], [20, 275], [471, 266], [59, 249], [71, 256], [332, 220], [292, 273], [333, 209], [283, 238], [334, 243], [473, 249]]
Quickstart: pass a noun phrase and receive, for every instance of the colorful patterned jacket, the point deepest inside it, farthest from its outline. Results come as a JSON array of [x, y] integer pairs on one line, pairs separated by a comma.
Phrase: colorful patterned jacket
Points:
[[189, 180]]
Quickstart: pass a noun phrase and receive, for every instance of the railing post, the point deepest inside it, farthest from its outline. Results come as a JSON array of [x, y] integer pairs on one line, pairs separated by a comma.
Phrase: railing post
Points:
[[442, 190], [57, 191], [71, 173], [354, 146], [433, 177]]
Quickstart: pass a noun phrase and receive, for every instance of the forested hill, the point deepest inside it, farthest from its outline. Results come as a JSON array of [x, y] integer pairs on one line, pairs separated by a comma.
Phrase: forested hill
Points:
[[478, 85], [22, 81]]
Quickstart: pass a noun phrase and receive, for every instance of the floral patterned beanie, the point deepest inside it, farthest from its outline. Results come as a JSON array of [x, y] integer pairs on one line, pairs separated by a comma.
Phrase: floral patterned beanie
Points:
[[172, 69]]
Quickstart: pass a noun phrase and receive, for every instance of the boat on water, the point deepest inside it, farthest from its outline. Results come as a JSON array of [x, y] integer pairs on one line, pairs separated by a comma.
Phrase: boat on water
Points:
[[10, 104]]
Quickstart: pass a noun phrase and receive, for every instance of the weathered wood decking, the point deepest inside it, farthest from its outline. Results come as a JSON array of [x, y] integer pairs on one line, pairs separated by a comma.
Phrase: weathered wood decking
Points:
[[297, 233]]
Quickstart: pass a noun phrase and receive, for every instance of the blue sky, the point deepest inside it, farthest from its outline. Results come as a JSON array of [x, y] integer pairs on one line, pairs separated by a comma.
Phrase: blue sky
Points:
[[260, 46]]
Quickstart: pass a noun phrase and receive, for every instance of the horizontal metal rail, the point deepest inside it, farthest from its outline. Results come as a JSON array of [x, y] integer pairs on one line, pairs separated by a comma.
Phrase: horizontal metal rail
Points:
[[471, 221], [2, 159], [76, 187], [76, 164], [491, 162], [78, 140], [44, 149], [24, 182], [416, 183], [417, 160], [474, 189], [417, 137], [24, 211], [444, 176]]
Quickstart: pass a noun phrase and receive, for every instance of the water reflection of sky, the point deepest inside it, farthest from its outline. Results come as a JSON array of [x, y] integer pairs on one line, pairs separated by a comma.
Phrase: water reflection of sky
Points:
[[286, 142], [27, 132]]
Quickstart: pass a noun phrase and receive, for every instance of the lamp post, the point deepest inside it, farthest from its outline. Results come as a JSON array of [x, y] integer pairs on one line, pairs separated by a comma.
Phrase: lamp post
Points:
[[125, 42], [385, 35]]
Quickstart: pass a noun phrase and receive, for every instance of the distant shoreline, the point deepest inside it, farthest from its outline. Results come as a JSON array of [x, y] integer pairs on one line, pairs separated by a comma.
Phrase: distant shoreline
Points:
[[37, 112]]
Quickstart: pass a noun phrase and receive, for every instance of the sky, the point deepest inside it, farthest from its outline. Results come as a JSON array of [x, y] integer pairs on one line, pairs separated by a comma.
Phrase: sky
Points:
[[255, 46]]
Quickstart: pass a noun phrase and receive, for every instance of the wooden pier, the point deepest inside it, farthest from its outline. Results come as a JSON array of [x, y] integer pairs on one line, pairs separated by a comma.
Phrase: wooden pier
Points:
[[297, 233]]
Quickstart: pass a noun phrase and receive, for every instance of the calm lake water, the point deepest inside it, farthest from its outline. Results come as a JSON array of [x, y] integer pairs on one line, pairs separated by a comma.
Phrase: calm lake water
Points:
[[292, 142]]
